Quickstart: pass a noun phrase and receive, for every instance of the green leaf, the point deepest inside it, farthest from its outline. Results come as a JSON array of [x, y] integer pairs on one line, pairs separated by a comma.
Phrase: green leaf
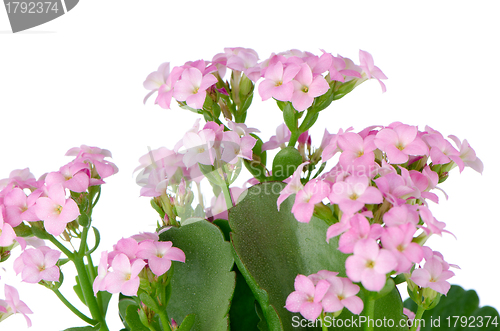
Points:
[[187, 323], [123, 303], [289, 116], [85, 328], [23, 230], [286, 162], [274, 248], [458, 310], [133, 319], [204, 284], [242, 314]]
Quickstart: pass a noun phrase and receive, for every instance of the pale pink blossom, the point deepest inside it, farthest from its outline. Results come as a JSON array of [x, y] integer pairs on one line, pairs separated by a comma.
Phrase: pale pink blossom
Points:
[[236, 146], [124, 277], [159, 255], [307, 87], [192, 87], [441, 150], [12, 305], [102, 270], [468, 155], [342, 293], [73, 176], [293, 186], [399, 215], [305, 199], [398, 240], [282, 136], [306, 299], [399, 142], [278, 82], [199, 148], [353, 193], [19, 207], [359, 229], [433, 275], [7, 234], [55, 210], [369, 69], [36, 264], [370, 264]]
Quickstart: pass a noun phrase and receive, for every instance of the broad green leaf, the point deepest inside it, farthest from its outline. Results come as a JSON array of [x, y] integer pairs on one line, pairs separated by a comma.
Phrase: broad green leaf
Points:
[[274, 248], [187, 323], [286, 162], [458, 310], [123, 303], [242, 314], [133, 320], [204, 284]]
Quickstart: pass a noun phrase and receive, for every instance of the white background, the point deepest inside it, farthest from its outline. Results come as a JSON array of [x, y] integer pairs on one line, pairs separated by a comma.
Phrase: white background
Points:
[[78, 80]]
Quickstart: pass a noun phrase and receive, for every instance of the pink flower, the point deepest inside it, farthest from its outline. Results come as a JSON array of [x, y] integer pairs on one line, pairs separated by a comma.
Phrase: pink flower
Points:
[[19, 207], [433, 275], [468, 155], [73, 176], [55, 210], [441, 150], [306, 88], [199, 147], [306, 299], [399, 142], [357, 152], [192, 87], [102, 271], [400, 215], [159, 255], [236, 146], [352, 194], [7, 234], [12, 305], [360, 229], [36, 264], [305, 199], [342, 293], [278, 82], [370, 264], [156, 79], [124, 277], [369, 69], [398, 240], [293, 186], [282, 136]]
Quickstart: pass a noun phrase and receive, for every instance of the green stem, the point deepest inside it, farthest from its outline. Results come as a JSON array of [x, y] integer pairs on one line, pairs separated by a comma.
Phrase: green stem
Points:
[[88, 292], [369, 312], [293, 138], [164, 319], [418, 317], [323, 324], [73, 308], [61, 247]]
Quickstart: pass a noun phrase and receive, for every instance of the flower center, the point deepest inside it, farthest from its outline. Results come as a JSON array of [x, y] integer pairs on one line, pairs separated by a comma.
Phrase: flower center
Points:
[[58, 209], [353, 196], [370, 264], [305, 89], [279, 83]]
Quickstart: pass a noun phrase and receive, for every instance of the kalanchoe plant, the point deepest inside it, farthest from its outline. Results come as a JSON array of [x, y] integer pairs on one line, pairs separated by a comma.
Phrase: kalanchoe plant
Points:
[[302, 245]]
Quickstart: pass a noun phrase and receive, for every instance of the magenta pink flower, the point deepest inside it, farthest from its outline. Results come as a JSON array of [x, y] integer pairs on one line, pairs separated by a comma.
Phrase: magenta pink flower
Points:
[[36, 264], [398, 240], [352, 194], [278, 82], [400, 215], [433, 275], [370, 264], [305, 199], [192, 87], [399, 142], [342, 293], [306, 88], [159, 255], [12, 305], [125, 275], [55, 210], [357, 152], [306, 299]]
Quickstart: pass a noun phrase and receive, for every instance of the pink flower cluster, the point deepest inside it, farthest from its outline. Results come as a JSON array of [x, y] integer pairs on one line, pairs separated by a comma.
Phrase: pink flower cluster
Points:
[[129, 257], [48, 199], [212, 145], [321, 292], [293, 75], [382, 184]]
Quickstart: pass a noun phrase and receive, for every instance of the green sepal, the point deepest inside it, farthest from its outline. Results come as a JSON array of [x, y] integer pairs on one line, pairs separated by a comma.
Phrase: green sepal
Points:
[[158, 209], [344, 89], [134, 320], [290, 116]]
